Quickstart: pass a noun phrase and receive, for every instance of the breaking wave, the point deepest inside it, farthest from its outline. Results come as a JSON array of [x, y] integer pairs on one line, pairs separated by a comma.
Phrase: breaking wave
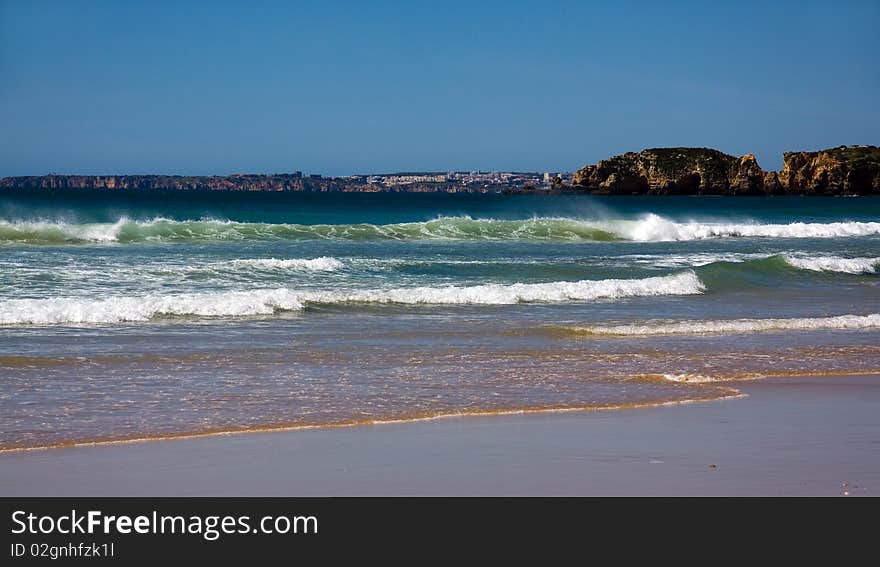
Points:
[[268, 301], [734, 326], [654, 228], [167, 230], [649, 228], [834, 264], [772, 270], [59, 232]]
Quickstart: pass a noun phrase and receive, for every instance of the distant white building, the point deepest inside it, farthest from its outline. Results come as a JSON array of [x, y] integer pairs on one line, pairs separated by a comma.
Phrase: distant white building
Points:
[[410, 179]]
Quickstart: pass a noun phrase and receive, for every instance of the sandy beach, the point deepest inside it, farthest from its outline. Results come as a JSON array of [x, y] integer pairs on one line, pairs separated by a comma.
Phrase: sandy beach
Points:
[[792, 436]]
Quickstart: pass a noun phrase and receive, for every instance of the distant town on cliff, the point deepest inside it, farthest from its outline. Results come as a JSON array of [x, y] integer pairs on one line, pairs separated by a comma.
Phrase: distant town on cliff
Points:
[[844, 170]]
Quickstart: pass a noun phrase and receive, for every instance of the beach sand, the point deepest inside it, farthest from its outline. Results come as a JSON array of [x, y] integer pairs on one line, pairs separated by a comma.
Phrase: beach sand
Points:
[[791, 436]]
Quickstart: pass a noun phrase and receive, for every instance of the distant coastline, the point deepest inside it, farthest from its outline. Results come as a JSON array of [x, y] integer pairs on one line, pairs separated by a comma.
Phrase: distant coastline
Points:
[[845, 170], [422, 182]]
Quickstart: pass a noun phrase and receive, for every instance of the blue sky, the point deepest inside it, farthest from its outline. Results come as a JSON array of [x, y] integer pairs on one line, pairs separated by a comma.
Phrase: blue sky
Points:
[[350, 87]]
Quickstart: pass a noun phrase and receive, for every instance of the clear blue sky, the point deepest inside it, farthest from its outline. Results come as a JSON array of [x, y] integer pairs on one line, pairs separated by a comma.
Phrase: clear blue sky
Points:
[[349, 87]]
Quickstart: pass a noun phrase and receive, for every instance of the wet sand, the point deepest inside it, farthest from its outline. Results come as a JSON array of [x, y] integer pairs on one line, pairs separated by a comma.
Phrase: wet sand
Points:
[[790, 436]]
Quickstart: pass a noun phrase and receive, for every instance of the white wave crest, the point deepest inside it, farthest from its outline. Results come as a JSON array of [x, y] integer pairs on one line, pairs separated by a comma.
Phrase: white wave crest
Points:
[[694, 260], [689, 378], [322, 264], [738, 326], [834, 264], [798, 260], [118, 309], [61, 230], [650, 228], [654, 228], [685, 283], [267, 301]]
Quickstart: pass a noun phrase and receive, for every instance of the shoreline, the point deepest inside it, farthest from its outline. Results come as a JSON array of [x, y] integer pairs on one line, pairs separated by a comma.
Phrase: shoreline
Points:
[[789, 436], [732, 394]]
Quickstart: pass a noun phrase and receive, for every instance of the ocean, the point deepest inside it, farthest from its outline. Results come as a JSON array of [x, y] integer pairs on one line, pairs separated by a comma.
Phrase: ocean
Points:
[[130, 316]]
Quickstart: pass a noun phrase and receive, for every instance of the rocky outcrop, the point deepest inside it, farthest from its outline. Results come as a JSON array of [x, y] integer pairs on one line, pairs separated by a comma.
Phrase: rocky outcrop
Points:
[[746, 176], [687, 171], [772, 185], [704, 171], [853, 170]]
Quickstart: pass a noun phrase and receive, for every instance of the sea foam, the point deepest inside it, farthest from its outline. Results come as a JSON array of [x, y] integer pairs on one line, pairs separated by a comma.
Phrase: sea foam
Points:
[[119, 309], [736, 326], [268, 301], [322, 264], [687, 378]]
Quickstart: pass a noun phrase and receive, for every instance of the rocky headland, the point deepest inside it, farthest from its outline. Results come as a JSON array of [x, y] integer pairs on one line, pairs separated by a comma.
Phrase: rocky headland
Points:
[[845, 170]]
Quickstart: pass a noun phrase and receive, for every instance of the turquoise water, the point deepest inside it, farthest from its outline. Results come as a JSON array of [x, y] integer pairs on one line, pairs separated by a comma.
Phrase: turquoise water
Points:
[[147, 316]]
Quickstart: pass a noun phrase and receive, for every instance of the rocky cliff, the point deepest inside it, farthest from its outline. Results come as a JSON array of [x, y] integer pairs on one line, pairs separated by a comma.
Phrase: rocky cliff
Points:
[[846, 169], [241, 182], [704, 171], [673, 171]]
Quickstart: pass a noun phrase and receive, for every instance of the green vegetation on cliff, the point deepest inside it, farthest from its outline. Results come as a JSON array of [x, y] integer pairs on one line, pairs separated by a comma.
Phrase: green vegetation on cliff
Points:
[[681, 160]]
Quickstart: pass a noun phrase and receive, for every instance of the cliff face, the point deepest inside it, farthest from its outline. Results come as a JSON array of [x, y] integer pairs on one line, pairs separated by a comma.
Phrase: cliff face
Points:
[[155, 182], [704, 171], [846, 169], [673, 171]]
